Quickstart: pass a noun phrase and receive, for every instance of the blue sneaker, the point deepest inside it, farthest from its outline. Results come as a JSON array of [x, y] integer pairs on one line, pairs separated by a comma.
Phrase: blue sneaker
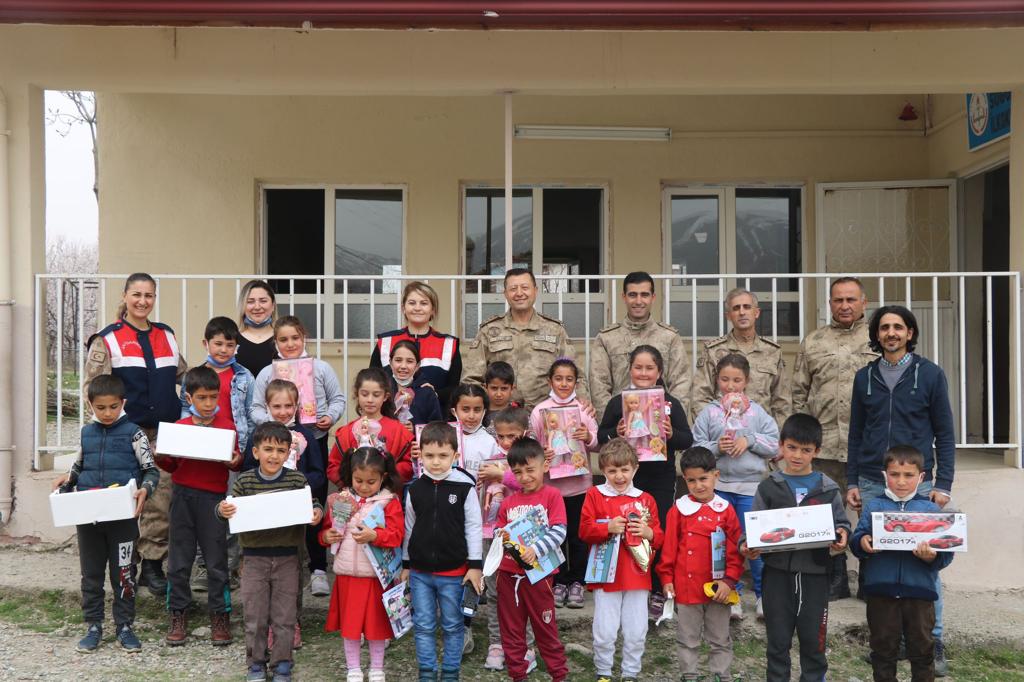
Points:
[[127, 639], [283, 672], [257, 673], [91, 641]]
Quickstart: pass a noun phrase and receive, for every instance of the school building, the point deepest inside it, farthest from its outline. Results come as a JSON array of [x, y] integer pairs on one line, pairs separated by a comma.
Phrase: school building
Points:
[[345, 150]]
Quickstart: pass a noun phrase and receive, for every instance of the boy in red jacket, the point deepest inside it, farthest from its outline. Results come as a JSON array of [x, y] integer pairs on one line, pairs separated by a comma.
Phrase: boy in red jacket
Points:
[[617, 508], [701, 547], [198, 486]]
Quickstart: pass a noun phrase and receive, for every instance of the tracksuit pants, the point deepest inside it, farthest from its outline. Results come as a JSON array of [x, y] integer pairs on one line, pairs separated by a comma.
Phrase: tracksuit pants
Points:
[[627, 609], [519, 602], [108, 546], [795, 601]]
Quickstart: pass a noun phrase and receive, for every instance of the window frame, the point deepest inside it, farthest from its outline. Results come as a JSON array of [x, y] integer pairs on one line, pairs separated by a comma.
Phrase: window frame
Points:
[[682, 289], [471, 297], [325, 299]]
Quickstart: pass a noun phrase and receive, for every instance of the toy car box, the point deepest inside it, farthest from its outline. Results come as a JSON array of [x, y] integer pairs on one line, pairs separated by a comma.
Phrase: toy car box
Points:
[[791, 528], [944, 531], [93, 506], [195, 442], [271, 510]]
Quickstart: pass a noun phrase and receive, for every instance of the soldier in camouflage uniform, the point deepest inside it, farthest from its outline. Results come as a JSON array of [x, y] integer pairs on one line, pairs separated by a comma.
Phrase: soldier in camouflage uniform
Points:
[[525, 339], [768, 385], [823, 374], [609, 359]]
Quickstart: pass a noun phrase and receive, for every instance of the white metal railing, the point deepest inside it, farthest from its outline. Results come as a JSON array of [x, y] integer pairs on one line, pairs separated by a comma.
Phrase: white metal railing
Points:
[[693, 303]]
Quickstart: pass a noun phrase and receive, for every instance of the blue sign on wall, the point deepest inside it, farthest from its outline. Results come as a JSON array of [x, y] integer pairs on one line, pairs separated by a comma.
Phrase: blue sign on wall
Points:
[[988, 118]]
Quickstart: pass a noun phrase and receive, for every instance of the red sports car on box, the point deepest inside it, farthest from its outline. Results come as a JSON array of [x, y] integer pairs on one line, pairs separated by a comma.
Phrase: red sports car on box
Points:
[[946, 542], [777, 535], [918, 523]]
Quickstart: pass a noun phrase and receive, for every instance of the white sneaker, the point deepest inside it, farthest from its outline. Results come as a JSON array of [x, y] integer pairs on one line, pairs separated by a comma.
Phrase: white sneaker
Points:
[[736, 611], [318, 585], [355, 675], [531, 661], [376, 676], [760, 610]]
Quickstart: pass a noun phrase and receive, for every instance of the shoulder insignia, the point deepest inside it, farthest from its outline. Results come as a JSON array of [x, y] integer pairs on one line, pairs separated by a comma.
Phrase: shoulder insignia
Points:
[[665, 325], [549, 318], [716, 342], [491, 320], [611, 327], [768, 341]]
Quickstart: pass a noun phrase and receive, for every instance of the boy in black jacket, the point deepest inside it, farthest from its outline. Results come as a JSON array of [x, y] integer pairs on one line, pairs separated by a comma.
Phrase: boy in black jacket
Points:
[[795, 583], [442, 550]]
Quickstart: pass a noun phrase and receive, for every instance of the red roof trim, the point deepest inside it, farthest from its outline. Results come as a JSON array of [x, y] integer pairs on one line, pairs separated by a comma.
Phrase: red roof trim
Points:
[[564, 14]]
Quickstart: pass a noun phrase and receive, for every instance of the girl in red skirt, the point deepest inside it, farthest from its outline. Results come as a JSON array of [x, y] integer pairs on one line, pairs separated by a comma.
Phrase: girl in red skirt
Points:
[[369, 481]]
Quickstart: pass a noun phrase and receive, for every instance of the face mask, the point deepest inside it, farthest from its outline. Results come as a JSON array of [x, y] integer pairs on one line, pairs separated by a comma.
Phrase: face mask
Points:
[[892, 496], [192, 411], [436, 477], [303, 354], [220, 365], [404, 384], [555, 398], [257, 325]]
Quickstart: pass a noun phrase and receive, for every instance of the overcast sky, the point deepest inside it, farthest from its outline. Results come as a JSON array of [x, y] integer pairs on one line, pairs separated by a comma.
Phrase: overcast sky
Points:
[[70, 203]]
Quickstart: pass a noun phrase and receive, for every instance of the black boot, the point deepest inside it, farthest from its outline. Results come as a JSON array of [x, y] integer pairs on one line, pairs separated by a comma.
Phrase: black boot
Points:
[[840, 586], [152, 576], [860, 580]]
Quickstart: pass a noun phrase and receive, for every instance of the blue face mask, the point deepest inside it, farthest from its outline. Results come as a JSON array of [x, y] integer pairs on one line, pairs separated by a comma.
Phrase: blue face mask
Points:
[[220, 365], [257, 325], [192, 411]]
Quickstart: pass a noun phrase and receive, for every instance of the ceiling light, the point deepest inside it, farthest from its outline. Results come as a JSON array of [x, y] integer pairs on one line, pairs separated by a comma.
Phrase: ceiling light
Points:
[[626, 133]]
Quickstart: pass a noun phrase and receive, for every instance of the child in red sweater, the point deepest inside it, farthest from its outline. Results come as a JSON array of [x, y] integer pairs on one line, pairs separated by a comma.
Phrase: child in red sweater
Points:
[[198, 487], [617, 508], [376, 426], [701, 555]]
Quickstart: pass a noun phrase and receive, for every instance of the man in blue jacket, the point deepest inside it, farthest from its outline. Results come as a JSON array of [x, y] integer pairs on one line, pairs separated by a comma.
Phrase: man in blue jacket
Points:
[[900, 399]]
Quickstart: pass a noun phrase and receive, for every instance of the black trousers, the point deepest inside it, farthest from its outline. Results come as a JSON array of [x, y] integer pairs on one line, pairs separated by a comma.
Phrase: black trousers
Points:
[[103, 546], [575, 567], [912, 620], [795, 601], [193, 521], [658, 479], [317, 553]]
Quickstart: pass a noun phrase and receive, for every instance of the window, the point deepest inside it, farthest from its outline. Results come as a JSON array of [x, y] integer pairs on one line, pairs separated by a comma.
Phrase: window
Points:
[[556, 231], [742, 230], [337, 232]]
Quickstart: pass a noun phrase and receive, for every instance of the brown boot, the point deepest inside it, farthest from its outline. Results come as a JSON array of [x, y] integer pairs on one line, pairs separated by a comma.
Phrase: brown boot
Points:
[[177, 632], [220, 629]]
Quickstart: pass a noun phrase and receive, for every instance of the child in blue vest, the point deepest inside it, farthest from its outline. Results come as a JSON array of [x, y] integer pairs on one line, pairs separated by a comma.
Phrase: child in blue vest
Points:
[[114, 451]]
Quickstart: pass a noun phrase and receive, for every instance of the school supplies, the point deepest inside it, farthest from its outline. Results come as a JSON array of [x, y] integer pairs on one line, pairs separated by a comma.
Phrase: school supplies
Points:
[[386, 561], [525, 531], [271, 510], [603, 559], [93, 506], [195, 442], [398, 606]]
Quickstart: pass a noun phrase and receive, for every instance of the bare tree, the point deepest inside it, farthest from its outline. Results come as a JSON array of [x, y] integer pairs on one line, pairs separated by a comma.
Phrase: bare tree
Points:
[[75, 303], [84, 114]]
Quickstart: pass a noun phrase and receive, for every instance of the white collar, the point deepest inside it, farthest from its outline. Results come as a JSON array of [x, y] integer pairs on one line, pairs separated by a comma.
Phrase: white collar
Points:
[[608, 491], [688, 506]]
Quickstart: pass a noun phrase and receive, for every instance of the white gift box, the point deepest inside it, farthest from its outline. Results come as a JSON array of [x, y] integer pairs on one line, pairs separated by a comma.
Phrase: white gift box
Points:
[[271, 510], [195, 442], [943, 531], [93, 506], [791, 528]]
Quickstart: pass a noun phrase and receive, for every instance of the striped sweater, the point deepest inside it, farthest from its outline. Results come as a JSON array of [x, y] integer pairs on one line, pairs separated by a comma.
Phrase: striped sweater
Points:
[[272, 541]]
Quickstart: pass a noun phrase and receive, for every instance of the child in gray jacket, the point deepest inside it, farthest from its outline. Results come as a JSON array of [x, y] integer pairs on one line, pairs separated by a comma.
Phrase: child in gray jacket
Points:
[[743, 437]]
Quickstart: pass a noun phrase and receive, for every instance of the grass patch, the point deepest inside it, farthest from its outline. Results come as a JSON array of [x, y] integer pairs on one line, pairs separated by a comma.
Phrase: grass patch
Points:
[[39, 611]]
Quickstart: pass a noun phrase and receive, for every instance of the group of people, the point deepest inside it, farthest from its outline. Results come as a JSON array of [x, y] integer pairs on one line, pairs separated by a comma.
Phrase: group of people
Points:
[[446, 452]]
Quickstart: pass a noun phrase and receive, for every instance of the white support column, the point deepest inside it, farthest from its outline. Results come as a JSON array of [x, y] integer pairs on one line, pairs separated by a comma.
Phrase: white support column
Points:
[[509, 131], [1016, 261]]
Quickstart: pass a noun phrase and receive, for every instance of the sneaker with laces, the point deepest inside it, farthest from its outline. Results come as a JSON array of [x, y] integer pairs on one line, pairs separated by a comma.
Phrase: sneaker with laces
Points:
[[318, 584], [575, 600], [495, 658], [561, 595], [376, 676], [297, 639], [200, 579], [177, 630], [127, 639], [531, 661], [467, 641], [220, 629], [759, 610], [603, 678], [257, 673], [92, 639], [354, 675], [941, 664], [736, 611], [283, 672]]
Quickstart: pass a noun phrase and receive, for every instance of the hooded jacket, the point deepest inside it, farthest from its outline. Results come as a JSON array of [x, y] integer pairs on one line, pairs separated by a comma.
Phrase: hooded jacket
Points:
[[916, 413]]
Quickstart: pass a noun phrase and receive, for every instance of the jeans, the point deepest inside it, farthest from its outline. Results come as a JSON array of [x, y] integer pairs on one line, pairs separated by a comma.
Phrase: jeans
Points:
[[429, 592], [869, 490], [742, 504]]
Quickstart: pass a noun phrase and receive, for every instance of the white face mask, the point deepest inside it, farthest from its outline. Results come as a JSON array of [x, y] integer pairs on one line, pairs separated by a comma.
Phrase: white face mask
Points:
[[892, 496], [436, 477]]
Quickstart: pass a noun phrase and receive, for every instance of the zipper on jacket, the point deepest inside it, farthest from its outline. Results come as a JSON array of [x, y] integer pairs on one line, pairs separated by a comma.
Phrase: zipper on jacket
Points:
[[433, 528], [103, 457]]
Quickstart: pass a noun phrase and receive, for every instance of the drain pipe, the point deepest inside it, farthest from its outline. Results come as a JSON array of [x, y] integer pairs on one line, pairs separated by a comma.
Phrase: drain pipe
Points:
[[6, 328]]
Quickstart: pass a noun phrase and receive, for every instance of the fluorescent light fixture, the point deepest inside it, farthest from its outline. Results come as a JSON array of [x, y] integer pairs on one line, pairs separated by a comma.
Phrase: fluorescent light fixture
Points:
[[626, 133]]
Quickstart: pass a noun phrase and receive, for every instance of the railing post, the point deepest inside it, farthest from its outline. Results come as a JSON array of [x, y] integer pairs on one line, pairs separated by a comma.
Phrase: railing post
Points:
[[59, 343]]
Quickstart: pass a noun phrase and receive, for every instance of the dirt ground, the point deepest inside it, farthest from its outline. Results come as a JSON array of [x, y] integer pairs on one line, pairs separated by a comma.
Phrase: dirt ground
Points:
[[40, 623]]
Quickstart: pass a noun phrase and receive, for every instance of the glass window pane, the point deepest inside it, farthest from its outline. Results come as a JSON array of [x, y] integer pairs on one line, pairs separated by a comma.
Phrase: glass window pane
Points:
[[695, 235], [368, 236], [485, 232], [307, 313], [572, 238], [768, 234], [573, 317], [789, 320], [489, 310], [295, 236], [385, 318], [708, 313]]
